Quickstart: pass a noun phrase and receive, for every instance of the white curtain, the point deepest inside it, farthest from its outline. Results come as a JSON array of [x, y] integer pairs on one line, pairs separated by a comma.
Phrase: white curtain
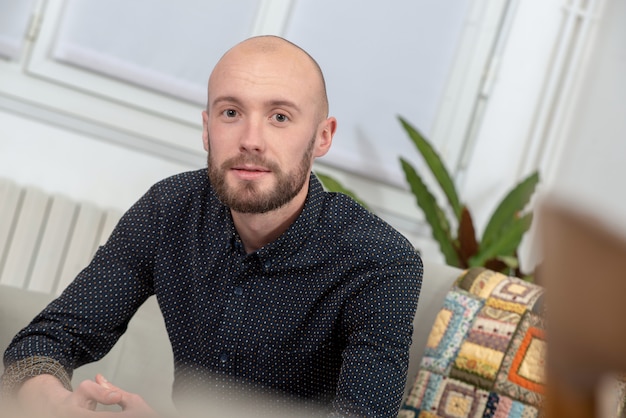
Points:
[[14, 19], [168, 46]]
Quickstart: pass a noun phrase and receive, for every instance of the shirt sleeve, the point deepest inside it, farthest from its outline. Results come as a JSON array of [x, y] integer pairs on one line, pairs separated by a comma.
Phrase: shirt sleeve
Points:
[[379, 324], [93, 312]]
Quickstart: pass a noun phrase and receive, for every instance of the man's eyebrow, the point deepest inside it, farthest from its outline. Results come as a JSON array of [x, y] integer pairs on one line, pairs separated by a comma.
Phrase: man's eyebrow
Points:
[[227, 99], [283, 103], [269, 103]]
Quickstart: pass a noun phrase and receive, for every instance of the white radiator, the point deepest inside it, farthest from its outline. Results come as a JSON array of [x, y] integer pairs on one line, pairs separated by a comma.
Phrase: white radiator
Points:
[[46, 240]]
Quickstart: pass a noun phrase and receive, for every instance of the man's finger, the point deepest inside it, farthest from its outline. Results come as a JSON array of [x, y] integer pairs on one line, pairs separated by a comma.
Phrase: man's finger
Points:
[[101, 380], [90, 393], [128, 401]]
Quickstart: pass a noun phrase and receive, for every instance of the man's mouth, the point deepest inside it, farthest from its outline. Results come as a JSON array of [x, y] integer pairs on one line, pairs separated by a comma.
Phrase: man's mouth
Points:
[[251, 168], [249, 172]]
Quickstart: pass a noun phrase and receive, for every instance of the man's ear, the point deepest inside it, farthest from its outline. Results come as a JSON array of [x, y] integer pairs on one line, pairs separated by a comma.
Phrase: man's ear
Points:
[[327, 130], [205, 130]]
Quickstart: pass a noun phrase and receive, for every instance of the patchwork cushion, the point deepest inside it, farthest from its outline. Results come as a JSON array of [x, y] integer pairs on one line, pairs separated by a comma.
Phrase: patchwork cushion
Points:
[[521, 374], [449, 330], [485, 353], [483, 349], [443, 396]]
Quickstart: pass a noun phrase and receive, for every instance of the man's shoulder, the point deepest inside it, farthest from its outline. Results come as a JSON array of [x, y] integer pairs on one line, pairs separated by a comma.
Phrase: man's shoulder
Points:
[[179, 193], [351, 223], [183, 182], [182, 185]]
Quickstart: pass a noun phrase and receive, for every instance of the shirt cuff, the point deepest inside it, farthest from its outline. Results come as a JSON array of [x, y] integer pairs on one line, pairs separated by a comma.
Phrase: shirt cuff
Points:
[[20, 371]]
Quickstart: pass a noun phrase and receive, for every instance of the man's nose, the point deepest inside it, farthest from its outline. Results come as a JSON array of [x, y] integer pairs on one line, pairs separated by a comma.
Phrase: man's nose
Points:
[[253, 136]]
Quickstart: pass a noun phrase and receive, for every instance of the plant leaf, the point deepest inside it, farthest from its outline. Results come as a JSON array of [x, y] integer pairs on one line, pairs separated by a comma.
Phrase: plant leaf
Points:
[[468, 246], [333, 185], [435, 216], [509, 209], [506, 243], [434, 162]]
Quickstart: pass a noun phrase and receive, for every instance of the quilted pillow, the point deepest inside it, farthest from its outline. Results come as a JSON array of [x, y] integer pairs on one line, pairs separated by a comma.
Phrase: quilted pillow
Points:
[[485, 353]]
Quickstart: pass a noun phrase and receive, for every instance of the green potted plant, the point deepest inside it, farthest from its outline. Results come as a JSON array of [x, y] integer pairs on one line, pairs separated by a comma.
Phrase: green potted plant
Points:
[[497, 247]]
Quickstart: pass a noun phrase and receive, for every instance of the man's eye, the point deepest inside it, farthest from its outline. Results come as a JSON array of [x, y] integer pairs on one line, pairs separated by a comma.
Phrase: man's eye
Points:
[[230, 113], [279, 117]]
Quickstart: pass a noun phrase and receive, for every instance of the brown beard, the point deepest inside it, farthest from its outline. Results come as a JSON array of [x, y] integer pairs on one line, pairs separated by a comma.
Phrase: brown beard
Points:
[[247, 198]]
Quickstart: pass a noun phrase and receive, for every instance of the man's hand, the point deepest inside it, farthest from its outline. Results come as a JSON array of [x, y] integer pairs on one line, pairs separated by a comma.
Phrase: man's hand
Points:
[[132, 404], [45, 396]]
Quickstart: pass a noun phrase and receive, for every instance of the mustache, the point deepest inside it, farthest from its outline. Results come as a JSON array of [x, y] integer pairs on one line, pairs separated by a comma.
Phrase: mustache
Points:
[[250, 159]]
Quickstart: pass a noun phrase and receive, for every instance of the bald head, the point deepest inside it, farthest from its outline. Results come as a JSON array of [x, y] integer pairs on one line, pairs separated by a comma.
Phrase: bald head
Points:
[[285, 56]]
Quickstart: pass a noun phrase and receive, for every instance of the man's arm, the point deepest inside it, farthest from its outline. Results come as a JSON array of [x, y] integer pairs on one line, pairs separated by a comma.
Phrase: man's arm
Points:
[[379, 321]]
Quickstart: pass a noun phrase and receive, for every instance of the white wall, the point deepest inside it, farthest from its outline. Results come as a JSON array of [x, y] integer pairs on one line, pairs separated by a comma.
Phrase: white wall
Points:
[[61, 161]]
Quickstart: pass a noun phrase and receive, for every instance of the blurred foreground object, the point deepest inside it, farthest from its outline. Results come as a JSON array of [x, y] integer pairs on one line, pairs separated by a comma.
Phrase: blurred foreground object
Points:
[[584, 271]]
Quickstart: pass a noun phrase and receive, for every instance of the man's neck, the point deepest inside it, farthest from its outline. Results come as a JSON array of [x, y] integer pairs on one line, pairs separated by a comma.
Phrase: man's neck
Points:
[[259, 229]]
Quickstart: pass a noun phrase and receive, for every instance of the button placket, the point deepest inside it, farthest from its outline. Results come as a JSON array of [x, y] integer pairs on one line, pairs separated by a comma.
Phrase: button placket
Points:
[[233, 316]]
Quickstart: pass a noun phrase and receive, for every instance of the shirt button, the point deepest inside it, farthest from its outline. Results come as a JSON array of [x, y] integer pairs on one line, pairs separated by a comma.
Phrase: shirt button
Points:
[[238, 291], [224, 357], [267, 264]]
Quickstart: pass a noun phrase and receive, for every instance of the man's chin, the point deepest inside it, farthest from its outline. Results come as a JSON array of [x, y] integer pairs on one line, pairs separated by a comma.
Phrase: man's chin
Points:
[[247, 199], [248, 189]]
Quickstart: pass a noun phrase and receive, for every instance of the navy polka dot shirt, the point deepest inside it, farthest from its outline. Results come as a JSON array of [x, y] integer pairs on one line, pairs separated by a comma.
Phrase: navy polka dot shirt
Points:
[[324, 313]]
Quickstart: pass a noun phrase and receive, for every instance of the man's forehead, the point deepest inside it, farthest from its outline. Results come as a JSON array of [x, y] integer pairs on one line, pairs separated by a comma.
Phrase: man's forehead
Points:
[[279, 72], [265, 62], [271, 60]]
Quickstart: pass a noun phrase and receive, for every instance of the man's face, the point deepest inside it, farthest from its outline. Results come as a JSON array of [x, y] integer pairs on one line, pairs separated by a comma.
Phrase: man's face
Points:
[[262, 129], [245, 195]]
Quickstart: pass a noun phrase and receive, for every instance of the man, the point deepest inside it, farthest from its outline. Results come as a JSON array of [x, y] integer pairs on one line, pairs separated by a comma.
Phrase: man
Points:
[[263, 278]]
